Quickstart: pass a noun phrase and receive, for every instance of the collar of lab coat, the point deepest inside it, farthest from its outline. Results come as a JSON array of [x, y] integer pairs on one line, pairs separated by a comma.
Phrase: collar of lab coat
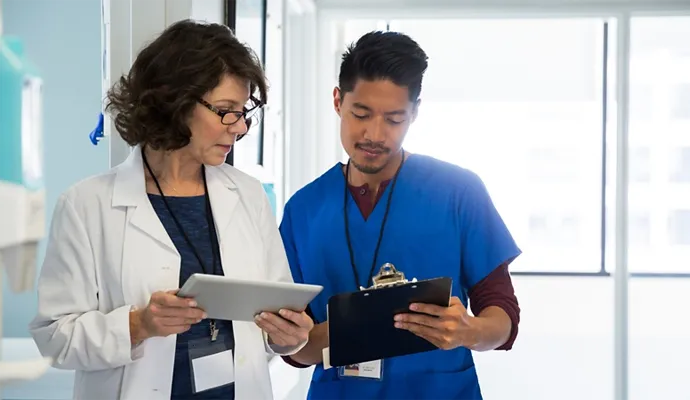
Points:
[[130, 191]]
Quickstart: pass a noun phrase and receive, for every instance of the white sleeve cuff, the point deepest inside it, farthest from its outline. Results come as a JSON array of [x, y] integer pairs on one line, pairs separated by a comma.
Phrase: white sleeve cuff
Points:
[[274, 349]]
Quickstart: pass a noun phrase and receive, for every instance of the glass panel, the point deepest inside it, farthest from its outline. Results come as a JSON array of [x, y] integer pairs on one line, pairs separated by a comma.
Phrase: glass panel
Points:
[[660, 143], [212, 11], [526, 115], [658, 325], [248, 27]]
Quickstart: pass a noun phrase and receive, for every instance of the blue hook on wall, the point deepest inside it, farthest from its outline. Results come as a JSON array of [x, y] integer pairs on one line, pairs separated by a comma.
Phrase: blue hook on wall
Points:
[[97, 134]]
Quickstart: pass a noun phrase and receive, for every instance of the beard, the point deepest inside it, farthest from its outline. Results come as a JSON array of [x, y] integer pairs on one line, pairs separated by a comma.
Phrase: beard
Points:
[[368, 169]]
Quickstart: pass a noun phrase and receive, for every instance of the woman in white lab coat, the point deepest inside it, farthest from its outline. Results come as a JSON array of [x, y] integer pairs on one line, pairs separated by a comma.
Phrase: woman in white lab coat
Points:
[[122, 242]]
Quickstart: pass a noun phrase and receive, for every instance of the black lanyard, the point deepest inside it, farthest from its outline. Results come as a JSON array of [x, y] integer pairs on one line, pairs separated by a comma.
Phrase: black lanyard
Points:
[[215, 248], [383, 224]]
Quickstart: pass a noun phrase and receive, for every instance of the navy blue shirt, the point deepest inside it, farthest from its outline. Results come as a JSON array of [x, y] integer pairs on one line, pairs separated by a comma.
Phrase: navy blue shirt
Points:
[[191, 213]]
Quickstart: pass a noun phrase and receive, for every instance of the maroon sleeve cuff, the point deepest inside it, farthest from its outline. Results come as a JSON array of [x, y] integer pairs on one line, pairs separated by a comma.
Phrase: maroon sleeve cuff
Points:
[[288, 360], [496, 289]]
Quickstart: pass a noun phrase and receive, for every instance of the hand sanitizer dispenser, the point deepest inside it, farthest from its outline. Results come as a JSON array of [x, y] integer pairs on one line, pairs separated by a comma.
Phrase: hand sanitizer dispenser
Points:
[[22, 197]]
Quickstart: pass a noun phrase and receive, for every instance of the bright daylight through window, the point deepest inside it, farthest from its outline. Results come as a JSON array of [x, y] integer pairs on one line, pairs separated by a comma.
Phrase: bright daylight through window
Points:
[[526, 115]]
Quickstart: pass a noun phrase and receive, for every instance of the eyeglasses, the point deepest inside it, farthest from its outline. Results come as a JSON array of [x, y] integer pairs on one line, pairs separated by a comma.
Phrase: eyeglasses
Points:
[[251, 114]]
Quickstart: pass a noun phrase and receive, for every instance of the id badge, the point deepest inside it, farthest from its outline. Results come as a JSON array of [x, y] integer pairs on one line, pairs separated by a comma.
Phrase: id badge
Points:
[[211, 363], [367, 370]]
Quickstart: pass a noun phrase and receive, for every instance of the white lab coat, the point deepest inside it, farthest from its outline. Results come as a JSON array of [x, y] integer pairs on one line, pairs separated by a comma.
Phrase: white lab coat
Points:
[[108, 252]]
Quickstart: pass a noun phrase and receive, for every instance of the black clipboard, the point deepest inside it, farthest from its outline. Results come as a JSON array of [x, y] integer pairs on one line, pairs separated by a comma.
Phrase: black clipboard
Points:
[[361, 326]]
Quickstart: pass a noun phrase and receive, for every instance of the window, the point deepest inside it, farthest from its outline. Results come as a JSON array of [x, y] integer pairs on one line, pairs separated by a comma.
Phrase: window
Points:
[[680, 165], [526, 115], [681, 100], [659, 217], [249, 28], [640, 165], [553, 164], [679, 227]]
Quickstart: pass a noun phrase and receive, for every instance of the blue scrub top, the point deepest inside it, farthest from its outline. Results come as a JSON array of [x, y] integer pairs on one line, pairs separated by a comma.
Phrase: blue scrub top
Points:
[[442, 222]]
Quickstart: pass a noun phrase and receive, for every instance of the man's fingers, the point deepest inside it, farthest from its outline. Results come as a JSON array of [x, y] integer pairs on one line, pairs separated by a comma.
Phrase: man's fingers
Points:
[[455, 300], [427, 333], [419, 330], [420, 319], [430, 309]]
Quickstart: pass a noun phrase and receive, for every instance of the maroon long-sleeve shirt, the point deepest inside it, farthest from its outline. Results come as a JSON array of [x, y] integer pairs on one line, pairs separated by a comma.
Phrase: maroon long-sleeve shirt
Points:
[[496, 289]]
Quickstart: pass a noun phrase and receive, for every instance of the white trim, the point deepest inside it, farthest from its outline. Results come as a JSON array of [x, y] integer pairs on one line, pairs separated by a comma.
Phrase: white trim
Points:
[[128, 25], [301, 6], [621, 243], [388, 9], [329, 34], [300, 164]]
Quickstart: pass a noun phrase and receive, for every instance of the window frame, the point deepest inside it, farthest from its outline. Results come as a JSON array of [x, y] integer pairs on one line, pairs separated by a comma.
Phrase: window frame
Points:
[[230, 20]]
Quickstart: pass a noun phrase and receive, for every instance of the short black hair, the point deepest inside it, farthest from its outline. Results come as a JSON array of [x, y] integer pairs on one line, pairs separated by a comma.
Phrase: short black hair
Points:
[[151, 104], [381, 55]]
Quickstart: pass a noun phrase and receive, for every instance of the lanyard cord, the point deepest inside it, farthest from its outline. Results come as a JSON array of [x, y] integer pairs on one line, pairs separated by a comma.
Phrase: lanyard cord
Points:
[[383, 223], [209, 219]]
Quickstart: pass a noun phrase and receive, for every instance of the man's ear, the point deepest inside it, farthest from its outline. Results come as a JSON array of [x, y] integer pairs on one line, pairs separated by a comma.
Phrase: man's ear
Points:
[[415, 109], [337, 101]]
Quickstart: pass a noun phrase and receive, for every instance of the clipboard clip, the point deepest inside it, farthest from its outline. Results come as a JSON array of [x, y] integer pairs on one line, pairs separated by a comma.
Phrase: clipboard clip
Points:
[[388, 276]]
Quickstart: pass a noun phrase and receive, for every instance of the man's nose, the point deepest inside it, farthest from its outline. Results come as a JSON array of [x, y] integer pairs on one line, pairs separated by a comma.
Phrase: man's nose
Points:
[[375, 130]]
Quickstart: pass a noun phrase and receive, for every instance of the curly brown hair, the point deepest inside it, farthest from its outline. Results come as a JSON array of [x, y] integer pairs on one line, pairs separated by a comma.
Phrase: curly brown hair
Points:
[[151, 105]]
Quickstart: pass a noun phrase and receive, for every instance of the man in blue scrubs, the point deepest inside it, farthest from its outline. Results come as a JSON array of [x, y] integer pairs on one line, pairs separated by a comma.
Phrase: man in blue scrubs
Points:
[[427, 217]]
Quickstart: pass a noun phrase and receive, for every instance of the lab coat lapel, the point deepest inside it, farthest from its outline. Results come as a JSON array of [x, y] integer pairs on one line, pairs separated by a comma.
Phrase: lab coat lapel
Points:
[[224, 198], [130, 191]]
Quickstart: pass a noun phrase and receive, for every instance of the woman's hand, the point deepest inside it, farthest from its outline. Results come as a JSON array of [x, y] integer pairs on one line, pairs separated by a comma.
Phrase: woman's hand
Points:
[[287, 328], [166, 314]]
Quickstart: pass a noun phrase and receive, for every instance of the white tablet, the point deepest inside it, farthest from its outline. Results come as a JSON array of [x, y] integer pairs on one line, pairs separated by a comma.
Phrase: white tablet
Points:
[[240, 300]]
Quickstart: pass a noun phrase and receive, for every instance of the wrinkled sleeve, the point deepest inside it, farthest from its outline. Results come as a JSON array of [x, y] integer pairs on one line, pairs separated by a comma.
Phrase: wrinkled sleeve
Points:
[[69, 328]]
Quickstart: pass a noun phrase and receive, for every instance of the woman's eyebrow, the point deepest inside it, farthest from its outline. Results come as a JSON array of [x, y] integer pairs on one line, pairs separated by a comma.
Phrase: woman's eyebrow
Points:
[[229, 102]]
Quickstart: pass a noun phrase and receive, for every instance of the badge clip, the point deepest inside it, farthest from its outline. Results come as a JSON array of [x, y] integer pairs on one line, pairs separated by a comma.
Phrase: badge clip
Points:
[[388, 276]]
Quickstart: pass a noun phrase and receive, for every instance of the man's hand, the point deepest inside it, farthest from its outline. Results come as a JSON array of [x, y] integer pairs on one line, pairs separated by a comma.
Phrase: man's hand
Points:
[[287, 328], [445, 327]]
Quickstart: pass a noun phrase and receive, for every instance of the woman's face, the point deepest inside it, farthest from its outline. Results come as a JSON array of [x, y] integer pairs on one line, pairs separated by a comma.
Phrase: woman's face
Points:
[[211, 140]]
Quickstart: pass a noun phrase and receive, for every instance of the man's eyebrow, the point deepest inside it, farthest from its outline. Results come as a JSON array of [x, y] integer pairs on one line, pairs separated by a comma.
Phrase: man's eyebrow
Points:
[[388, 113], [361, 106]]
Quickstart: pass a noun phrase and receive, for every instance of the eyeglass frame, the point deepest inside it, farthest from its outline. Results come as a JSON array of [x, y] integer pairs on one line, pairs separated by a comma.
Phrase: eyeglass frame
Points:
[[239, 114]]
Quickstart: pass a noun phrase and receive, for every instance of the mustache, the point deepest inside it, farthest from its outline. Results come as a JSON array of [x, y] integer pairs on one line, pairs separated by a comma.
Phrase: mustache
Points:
[[371, 146]]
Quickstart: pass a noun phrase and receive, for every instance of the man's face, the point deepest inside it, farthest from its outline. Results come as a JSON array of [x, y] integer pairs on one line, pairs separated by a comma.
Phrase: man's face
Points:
[[374, 119]]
